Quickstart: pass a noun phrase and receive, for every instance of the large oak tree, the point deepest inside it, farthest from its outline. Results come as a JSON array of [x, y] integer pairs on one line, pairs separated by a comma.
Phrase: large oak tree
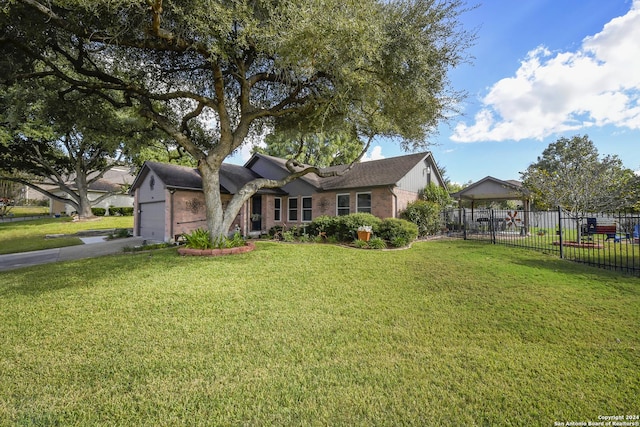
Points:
[[215, 74], [63, 147]]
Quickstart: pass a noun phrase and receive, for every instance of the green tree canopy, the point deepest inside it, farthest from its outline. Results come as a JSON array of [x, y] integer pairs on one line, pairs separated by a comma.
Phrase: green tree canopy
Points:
[[320, 149], [213, 75], [571, 174], [61, 146]]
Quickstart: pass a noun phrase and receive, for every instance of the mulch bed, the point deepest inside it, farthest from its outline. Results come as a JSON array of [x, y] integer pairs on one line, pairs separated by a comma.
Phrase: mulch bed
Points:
[[583, 245], [217, 252]]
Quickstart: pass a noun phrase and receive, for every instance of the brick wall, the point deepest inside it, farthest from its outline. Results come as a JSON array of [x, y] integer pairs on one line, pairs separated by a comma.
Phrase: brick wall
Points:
[[383, 205], [404, 197], [189, 212]]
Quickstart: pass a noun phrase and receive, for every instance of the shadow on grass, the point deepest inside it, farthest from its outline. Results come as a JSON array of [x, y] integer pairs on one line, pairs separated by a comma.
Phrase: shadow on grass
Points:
[[616, 278], [84, 273]]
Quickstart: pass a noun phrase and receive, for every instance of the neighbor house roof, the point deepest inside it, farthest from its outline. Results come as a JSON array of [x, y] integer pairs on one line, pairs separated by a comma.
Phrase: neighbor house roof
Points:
[[112, 180]]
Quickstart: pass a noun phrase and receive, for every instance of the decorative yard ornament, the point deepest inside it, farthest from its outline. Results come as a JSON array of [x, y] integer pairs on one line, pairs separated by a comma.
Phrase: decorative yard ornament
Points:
[[512, 220]]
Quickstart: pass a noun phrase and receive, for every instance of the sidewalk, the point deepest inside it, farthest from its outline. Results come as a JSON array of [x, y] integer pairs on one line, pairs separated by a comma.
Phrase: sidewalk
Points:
[[91, 250]]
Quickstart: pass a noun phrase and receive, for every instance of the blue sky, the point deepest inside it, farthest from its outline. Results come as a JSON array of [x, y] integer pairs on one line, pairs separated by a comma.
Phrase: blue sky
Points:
[[542, 69]]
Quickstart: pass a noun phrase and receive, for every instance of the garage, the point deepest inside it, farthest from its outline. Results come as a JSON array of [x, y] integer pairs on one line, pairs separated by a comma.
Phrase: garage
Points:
[[151, 220]]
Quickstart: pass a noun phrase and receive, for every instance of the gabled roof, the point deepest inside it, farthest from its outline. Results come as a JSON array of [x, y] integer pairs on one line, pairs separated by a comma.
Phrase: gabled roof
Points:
[[372, 173], [173, 176], [375, 173], [310, 178], [232, 177], [490, 188]]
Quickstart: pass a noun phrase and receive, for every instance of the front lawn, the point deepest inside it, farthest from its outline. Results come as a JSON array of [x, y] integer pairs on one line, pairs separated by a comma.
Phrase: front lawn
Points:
[[445, 333], [24, 236]]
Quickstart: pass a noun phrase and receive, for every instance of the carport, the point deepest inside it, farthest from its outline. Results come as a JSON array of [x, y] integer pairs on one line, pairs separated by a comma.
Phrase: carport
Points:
[[493, 189]]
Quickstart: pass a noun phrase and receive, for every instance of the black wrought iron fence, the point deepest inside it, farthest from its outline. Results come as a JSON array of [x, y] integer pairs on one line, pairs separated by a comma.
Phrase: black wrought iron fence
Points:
[[605, 240]]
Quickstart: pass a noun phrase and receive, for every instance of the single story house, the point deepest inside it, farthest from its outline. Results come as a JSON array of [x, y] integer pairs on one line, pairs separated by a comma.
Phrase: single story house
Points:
[[112, 181], [168, 199]]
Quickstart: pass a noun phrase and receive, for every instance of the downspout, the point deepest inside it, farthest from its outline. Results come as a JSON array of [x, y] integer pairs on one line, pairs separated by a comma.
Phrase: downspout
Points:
[[171, 214], [395, 201]]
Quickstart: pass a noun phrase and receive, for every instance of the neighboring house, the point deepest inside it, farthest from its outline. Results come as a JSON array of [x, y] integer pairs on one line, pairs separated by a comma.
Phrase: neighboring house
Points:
[[169, 200], [112, 181]]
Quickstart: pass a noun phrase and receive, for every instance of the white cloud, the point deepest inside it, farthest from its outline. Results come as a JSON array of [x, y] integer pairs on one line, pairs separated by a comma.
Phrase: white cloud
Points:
[[597, 85], [374, 154]]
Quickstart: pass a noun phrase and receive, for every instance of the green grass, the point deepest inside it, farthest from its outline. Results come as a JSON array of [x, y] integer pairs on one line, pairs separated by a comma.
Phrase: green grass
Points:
[[445, 333], [623, 254], [23, 236], [20, 211]]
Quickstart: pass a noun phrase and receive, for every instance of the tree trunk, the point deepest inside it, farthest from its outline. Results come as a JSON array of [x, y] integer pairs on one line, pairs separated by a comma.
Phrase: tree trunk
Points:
[[213, 200], [84, 204]]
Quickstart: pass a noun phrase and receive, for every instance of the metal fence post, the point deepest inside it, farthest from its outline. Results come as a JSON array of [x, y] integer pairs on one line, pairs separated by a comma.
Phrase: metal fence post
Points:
[[463, 221], [560, 232], [492, 227]]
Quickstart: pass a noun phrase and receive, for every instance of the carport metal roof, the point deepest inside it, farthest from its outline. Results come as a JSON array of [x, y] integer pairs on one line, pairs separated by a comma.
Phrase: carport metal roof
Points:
[[490, 188]]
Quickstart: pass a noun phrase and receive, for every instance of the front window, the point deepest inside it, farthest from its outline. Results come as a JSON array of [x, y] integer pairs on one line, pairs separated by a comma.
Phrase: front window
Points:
[[293, 209], [277, 206], [306, 209], [363, 202], [342, 204]]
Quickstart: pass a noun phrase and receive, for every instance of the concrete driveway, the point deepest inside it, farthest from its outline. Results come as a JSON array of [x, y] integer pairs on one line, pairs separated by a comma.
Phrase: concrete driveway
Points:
[[90, 250]]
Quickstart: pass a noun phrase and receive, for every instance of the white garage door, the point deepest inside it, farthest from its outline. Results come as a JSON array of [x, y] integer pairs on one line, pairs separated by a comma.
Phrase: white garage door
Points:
[[152, 221]]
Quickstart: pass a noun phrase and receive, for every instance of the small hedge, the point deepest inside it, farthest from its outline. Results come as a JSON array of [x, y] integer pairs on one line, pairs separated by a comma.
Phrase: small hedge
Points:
[[426, 216], [398, 232], [125, 211], [343, 228]]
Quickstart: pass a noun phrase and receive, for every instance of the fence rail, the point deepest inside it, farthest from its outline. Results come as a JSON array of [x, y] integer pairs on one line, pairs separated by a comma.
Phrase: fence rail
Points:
[[604, 240]]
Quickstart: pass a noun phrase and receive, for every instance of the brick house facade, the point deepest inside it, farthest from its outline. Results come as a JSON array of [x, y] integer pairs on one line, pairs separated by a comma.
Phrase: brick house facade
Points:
[[169, 201]]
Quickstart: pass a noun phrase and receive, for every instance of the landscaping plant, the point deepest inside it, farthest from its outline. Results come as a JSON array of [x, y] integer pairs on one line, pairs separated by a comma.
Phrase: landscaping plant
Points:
[[398, 232]]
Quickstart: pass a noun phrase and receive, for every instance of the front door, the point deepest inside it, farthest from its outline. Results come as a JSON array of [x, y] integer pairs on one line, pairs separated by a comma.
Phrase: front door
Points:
[[256, 213]]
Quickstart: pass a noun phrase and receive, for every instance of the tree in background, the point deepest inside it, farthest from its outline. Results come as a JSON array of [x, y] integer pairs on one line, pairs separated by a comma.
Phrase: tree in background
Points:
[[571, 174], [162, 151], [61, 146], [11, 194], [214, 75], [320, 149]]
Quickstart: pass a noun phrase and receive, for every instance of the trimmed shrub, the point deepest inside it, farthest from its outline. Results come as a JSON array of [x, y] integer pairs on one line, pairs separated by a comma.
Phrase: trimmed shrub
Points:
[[347, 229], [123, 211], [398, 232], [324, 224], [425, 215], [98, 211]]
